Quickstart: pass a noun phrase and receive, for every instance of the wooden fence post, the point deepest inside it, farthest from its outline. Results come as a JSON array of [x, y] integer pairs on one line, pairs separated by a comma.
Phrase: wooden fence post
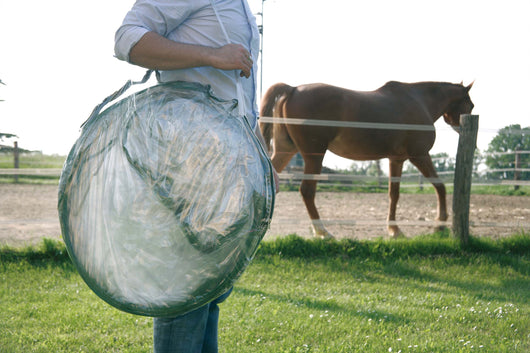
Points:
[[16, 157], [463, 172]]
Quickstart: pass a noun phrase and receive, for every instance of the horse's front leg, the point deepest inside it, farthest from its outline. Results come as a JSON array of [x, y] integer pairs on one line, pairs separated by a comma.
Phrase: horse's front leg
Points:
[[426, 167], [395, 168], [313, 165]]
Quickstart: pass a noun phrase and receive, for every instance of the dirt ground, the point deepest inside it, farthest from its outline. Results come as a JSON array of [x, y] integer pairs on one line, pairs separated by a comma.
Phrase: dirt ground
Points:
[[29, 213]]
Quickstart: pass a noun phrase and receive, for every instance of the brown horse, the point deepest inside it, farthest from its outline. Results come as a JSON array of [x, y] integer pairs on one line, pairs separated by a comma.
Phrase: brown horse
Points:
[[395, 121]]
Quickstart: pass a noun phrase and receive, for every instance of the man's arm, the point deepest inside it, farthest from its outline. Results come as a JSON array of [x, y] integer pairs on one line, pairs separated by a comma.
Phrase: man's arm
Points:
[[154, 51]]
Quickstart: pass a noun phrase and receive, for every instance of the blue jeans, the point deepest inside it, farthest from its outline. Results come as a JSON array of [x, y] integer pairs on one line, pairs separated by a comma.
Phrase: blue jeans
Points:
[[194, 332]]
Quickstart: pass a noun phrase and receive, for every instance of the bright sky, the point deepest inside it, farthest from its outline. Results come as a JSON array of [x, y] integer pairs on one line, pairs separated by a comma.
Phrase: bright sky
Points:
[[56, 57]]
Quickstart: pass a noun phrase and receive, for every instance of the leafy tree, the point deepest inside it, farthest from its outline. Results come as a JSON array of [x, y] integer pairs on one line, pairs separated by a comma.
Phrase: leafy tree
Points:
[[478, 160], [443, 163], [365, 168], [3, 148], [501, 152], [374, 168], [4, 135]]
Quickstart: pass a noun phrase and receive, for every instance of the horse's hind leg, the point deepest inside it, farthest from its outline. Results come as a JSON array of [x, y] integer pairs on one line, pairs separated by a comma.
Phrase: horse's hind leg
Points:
[[313, 165], [395, 168], [426, 167]]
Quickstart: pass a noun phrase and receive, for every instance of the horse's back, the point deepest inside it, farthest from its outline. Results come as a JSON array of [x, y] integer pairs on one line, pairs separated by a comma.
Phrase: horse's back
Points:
[[321, 101], [393, 103], [327, 102]]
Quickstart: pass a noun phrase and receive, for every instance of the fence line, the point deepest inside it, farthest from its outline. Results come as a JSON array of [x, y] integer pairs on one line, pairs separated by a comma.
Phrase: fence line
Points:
[[342, 177], [367, 125], [350, 124], [504, 153], [298, 177], [290, 177]]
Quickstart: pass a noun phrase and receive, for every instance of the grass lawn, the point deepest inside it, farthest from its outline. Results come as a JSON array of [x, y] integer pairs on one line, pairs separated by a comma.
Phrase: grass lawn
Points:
[[418, 295]]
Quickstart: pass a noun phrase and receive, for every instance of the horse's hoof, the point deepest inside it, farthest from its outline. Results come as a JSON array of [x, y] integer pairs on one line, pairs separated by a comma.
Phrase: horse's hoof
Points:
[[325, 236], [395, 232], [319, 231]]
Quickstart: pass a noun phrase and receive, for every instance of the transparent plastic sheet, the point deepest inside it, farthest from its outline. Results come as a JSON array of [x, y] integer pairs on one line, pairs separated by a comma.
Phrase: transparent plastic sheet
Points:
[[164, 198]]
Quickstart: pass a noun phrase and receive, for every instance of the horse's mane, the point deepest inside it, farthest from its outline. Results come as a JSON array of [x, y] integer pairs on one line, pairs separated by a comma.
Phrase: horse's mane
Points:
[[422, 84]]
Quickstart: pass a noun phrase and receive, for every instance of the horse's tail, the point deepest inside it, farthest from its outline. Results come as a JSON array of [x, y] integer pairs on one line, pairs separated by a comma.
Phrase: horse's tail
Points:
[[269, 109]]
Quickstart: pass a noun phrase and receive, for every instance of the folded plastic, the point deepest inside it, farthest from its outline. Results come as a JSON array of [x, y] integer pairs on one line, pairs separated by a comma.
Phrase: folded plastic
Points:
[[164, 198]]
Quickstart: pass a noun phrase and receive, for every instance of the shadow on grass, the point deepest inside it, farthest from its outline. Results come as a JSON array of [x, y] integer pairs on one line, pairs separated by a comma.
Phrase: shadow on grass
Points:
[[403, 263], [397, 260], [50, 253], [330, 305], [506, 251], [514, 289]]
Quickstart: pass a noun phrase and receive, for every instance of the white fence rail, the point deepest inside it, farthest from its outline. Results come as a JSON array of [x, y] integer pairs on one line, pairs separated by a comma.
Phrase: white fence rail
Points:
[[31, 171]]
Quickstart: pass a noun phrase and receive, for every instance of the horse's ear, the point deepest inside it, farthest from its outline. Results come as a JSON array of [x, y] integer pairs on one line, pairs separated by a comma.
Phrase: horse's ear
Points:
[[470, 85]]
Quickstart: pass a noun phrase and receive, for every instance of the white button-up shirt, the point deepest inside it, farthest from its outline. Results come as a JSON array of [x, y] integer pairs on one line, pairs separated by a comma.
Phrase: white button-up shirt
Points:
[[195, 22]]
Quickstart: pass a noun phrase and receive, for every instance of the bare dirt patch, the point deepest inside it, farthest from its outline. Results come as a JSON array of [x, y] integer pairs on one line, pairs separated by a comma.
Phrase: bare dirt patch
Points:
[[29, 212], [363, 215]]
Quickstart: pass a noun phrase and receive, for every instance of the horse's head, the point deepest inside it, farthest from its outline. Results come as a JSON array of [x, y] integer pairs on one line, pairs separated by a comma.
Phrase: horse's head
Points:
[[461, 104]]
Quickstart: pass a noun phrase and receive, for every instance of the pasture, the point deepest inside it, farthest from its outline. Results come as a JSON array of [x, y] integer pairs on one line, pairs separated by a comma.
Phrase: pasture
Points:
[[410, 295]]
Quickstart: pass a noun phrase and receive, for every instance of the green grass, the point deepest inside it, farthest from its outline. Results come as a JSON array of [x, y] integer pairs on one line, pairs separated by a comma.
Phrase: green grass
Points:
[[32, 160], [30, 179], [503, 190], [425, 294]]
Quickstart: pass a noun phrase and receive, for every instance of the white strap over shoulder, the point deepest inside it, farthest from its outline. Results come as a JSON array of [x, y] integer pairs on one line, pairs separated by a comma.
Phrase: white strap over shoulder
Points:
[[239, 85]]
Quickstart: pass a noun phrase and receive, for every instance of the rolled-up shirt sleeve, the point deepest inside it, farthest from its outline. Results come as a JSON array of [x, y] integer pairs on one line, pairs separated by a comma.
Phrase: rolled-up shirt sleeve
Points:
[[126, 38], [160, 16]]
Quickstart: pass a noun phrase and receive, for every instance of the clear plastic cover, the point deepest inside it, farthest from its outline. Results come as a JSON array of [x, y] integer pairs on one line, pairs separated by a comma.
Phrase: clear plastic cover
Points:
[[164, 198]]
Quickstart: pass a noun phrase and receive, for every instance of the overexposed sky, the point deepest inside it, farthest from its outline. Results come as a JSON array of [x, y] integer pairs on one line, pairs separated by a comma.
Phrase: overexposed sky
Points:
[[56, 57]]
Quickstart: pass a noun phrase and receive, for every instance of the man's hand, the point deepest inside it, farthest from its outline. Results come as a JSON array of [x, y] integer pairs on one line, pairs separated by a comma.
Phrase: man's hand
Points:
[[233, 57]]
